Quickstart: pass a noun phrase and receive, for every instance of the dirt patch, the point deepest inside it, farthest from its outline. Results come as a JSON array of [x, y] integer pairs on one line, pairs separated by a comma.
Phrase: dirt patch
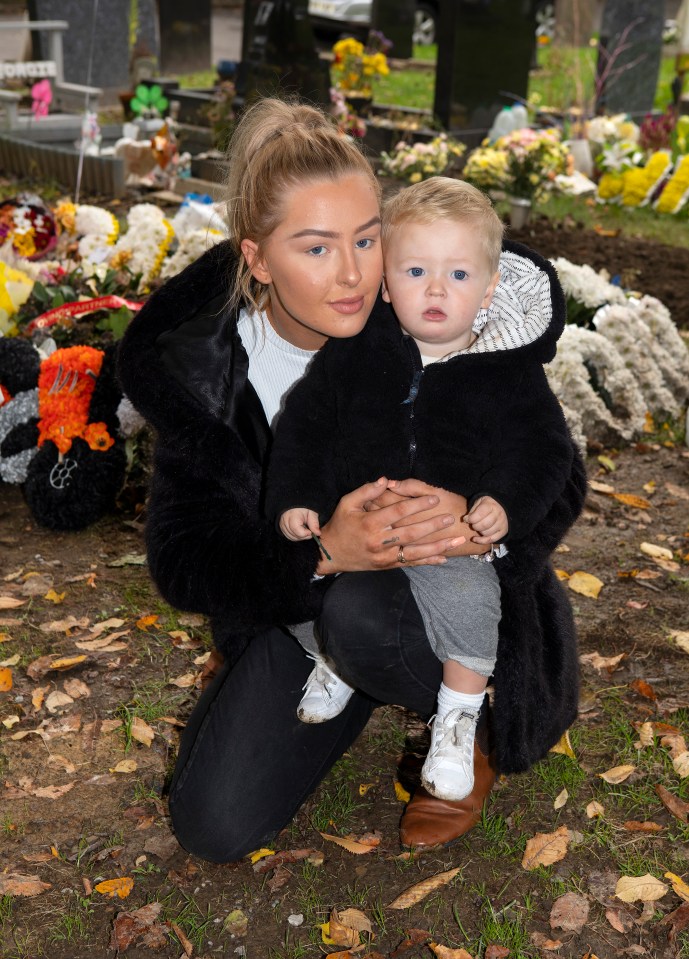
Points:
[[109, 823]]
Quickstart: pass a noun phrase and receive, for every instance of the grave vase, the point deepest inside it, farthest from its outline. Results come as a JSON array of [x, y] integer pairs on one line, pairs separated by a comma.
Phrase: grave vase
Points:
[[582, 156], [520, 211]]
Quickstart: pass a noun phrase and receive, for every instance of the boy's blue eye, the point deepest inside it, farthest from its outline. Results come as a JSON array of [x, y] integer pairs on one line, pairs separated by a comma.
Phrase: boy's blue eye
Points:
[[415, 271], [317, 250], [459, 274]]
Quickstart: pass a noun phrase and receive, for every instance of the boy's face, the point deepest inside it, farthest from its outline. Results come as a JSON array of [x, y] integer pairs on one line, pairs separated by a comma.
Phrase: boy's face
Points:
[[437, 278]]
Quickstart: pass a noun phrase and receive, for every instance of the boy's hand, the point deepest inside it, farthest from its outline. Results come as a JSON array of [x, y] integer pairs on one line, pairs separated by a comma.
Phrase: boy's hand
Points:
[[299, 523], [489, 520]]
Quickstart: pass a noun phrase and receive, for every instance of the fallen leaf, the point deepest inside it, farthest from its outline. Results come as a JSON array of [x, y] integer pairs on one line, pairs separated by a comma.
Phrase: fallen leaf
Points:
[[39, 667], [585, 583], [356, 919], [541, 941], [11, 602], [496, 952], [64, 625], [113, 623], [10, 721], [677, 920], [125, 766], [599, 487], [564, 746], [562, 575], [632, 825], [602, 662], [679, 491], [56, 700], [678, 807], [56, 759], [52, 792], [236, 923], [141, 731], [185, 681], [271, 861], [364, 788], [633, 604], [5, 680], [543, 849], [679, 886], [67, 662], [102, 642], [570, 912], [281, 876], [54, 597], [129, 559], [607, 463], [444, 952], [640, 888], [414, 937], [420, 890], [681, 638], [655, 552], [351, 845], [681, 764], [617, 774], [186, 945], [14, 884], [121, 887], [77, 689], [614, 917], [145, 621], [401, 794], [594, 809], [339, 933], [561, 799], [12, 661], [128, 927], [260, 854]]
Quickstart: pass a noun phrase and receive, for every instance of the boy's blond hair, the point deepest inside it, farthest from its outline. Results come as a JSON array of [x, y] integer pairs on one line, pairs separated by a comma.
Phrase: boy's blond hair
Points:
[[277, 145], [443, 198]]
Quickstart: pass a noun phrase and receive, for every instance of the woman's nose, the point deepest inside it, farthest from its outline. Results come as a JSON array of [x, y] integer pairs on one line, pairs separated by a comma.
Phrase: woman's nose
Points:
[[350, 272]]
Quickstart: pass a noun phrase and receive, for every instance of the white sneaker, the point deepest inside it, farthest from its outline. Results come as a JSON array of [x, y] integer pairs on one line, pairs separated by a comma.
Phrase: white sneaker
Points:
[[448, 772], [325, 694]]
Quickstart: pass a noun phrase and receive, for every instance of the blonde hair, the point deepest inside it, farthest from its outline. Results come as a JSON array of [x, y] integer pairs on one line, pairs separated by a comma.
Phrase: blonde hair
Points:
[[442, 198], [279, 144]]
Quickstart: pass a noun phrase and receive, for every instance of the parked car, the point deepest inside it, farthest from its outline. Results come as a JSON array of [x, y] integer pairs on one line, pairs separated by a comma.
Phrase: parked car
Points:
[[337, 18]]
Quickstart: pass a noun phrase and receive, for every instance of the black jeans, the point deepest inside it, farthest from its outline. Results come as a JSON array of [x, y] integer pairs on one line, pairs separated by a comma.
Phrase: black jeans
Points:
[[246, 763]]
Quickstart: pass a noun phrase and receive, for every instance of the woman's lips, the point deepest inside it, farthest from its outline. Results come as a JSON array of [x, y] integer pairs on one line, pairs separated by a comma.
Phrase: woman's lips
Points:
[[348, 306]]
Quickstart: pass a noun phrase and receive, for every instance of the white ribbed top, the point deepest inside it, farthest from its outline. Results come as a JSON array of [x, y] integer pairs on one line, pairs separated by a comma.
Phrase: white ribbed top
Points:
[[274, 364]]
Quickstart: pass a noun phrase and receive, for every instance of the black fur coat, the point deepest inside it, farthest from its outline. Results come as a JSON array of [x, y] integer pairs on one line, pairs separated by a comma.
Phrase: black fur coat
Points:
[[484, 422], [211, 549]]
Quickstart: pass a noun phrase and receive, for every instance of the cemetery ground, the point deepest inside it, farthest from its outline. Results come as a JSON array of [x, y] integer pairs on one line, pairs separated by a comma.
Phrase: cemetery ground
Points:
[[583, 856]]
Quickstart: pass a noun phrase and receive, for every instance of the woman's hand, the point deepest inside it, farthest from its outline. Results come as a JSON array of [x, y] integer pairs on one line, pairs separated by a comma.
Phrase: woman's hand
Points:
[[379, 538], [448, 502]]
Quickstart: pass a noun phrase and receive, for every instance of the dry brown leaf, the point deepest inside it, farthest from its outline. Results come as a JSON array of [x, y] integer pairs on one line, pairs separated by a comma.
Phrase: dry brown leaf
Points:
[[77, 689], [185, 681], [52, 792], [37, 857], [564, 746], [586, 584], [570, 912], [543, 849], [39, 667], [561, 799], [121, 887], [56, 759], [616, 920], [414, 937], [125, 766], [356, 919], [598, 487], [265, 864], [236, 923], [541, 941], [677, 920], [632, 825], [655, 552], [102, 642], [341, 934], [629, 499], [141, 731], [681, 638], [618, 774], [496, 952], [64, 625], [681, 764], [351, 845], [38, 696], [644, 689], [595, 809], [420, 890], [183, 941], [648, 574], [11, 721], [5, 680], [679, 886], [105, 624], [128, 927], [67, 662], [640, 888], [11, 602], [444, 952], [12, 661], [602, 662], [57, 700], [679, 491], [14, 884], [145, 621]]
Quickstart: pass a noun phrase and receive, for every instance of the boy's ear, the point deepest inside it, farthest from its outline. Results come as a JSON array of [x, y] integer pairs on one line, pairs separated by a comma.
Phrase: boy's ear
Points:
[[255, 261], [386, 295], [490, 290]]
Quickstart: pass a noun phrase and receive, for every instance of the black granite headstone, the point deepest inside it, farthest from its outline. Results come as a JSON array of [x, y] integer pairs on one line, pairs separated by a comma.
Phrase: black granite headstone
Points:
[[185, 36], [279, 54], [96, 47], [485, 49], [631, 39], [395, 19]]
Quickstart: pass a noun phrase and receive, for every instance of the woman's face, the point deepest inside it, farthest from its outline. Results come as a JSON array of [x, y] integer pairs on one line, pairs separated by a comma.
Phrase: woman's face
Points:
[[323, 264]]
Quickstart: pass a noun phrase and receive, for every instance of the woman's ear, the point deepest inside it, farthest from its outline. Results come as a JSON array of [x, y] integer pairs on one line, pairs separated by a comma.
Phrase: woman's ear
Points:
[[255, 261], [386, 295]]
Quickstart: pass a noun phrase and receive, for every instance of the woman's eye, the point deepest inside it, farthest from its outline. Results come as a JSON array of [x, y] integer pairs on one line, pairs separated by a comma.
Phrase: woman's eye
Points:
[[459, 275], [364, 244], [415, 271], [317, 250]]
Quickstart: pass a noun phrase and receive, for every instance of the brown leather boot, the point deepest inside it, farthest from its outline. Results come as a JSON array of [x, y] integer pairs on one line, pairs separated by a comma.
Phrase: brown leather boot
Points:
[[211, 668], [429, 822]]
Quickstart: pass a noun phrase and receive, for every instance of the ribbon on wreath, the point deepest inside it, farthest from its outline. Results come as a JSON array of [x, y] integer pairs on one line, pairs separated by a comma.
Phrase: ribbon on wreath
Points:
[[80, 308]]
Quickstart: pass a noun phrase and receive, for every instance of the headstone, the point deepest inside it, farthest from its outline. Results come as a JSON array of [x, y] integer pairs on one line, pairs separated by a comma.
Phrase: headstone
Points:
[[185, 36], [631, 39], [485, 49], [395, 20], [279, 54], [96, 47], [575, 23]]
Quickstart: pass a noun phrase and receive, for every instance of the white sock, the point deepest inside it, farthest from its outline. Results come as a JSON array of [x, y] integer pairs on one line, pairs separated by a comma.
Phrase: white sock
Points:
[[450, 699]]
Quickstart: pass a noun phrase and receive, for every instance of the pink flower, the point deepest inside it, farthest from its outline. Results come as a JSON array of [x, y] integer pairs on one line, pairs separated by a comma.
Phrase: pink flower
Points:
[[42, 95]]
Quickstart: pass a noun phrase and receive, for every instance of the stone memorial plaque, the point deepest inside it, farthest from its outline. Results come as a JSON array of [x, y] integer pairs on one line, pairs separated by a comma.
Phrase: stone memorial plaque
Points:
[[631, 39]]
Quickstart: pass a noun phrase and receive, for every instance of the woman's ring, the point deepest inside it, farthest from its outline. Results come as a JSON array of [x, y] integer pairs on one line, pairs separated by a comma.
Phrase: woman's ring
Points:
[[400, 555]]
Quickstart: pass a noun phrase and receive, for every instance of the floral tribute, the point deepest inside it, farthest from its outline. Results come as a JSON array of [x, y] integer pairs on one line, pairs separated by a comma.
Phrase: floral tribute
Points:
[[27, 223], [523, 163], [355, 66], [65, 387], [418, 161]]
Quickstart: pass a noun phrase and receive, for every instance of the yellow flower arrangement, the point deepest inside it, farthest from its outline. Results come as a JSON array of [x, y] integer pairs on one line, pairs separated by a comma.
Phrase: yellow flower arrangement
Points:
[[610, 187], [640, 182], [676, 192], [65, 386], [355, 66]]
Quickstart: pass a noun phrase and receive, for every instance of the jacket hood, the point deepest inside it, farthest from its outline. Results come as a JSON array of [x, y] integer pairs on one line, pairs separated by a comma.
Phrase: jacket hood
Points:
[[528, 308]]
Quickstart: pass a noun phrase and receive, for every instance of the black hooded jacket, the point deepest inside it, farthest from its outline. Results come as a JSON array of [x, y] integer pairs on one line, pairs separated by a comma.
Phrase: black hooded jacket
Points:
[[211, 548]]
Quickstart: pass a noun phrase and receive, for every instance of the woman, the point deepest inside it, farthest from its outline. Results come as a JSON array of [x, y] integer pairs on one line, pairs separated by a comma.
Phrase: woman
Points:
[[208, 361]]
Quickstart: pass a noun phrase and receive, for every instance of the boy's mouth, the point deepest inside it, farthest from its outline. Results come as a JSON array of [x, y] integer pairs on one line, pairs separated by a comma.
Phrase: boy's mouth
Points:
[[433, 314]]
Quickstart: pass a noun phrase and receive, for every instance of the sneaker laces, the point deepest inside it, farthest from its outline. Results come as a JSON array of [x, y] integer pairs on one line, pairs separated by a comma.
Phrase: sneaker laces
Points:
[[456, 735], [322, 675]]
